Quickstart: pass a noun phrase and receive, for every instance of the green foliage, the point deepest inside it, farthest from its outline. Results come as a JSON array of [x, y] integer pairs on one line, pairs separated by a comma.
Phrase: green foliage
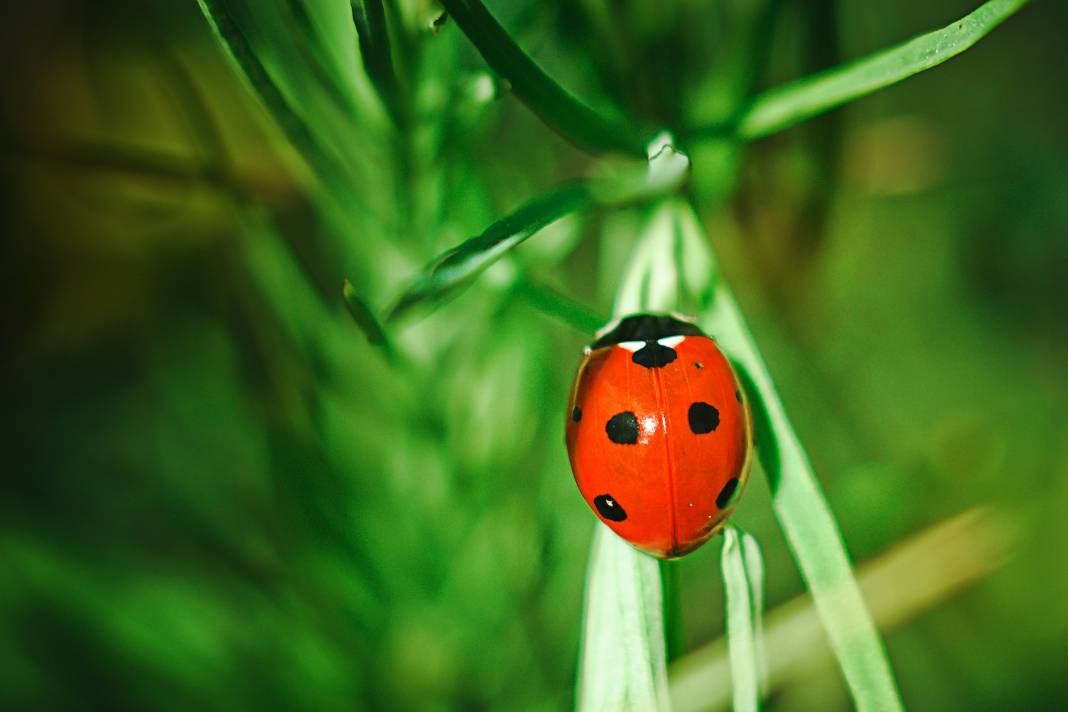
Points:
[[622, 665], [223, 495], [554, 104], [660, 276], [784, 106], [743, 580], [664, 173], [807, 521], [464, 262]]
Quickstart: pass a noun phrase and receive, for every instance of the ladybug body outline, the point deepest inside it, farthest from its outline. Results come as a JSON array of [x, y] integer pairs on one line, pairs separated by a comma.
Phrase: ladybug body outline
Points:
[[658, 433]]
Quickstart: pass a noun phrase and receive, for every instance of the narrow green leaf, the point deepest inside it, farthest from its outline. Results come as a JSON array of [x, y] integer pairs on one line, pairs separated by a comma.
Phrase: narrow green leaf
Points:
[[557, 107], [806, 520], [743, 583], [791, 103], [549, 301], [292, 124], [622, 665], [666, 170], [754, 571], [369, 16], [463, 263]]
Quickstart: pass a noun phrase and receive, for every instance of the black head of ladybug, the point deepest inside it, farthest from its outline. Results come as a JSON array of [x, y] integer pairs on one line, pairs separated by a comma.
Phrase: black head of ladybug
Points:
[[649, 337], [645, 327]]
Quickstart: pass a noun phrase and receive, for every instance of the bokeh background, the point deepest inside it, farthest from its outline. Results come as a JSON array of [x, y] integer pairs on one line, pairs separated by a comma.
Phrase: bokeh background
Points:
[[217, 495]]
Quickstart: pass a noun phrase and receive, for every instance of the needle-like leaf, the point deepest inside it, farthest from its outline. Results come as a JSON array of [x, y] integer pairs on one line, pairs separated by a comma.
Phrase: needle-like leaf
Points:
[[789, 104], [556, 106]]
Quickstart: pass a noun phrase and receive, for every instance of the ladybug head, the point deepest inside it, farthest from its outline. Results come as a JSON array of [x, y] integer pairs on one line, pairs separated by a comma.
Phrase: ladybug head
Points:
[[644, 327]]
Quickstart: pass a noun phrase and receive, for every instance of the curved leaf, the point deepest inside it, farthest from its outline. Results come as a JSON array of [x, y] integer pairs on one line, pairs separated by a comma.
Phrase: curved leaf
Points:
[[666, 170], [556, 106], [463, 263]]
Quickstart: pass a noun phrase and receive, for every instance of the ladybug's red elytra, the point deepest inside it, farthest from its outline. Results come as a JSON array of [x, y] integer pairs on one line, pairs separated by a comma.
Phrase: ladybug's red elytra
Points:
[[659, 433]]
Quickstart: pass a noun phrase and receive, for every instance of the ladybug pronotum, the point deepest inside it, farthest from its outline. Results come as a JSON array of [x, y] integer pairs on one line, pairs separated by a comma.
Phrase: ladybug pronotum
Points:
[[659, 433]]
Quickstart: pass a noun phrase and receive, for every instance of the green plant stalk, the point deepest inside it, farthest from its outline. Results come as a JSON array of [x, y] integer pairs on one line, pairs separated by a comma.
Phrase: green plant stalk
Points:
[[623, 665], [781, 107], [806, 519], [624, 654], [742, 580], [556, 106], [674, 631]]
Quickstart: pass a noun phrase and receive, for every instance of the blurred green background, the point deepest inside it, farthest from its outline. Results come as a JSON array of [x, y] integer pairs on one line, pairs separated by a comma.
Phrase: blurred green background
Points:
[[218, 495]]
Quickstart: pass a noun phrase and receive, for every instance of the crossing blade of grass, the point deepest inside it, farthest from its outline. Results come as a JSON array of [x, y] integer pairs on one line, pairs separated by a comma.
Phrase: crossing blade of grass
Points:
[[789, 104], [463, 263], [911, 578], [556, 106], [623, 665], [663, 174], [555, 304], [806, 519], [743, 580]]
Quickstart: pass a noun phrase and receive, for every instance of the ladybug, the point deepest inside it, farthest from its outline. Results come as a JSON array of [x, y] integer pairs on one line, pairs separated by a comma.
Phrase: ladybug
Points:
[[659, 433]]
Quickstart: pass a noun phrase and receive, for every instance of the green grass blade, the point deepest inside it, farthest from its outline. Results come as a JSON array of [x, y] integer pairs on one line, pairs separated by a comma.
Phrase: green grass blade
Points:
[[369, 16], [663, 174], [623, 665], [460, 265], [624, 654], [754, 571], [551, 302], [791, 103], [556, 106], [295, 128], [743, 582], [806, 520]]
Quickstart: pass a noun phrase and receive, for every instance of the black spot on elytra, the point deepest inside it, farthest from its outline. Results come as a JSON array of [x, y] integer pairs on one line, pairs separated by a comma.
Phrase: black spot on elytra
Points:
[[704, 418], [576, 414], [622, 428], [609, 508], [654, 355], [725, 494]]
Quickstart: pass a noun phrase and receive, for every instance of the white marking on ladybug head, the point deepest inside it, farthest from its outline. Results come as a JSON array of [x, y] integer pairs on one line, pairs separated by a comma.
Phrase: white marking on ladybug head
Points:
[[671, 341], [631, 346]]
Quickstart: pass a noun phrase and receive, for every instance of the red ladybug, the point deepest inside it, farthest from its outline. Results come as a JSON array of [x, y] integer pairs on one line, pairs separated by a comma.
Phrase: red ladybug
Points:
[[659, 434]]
